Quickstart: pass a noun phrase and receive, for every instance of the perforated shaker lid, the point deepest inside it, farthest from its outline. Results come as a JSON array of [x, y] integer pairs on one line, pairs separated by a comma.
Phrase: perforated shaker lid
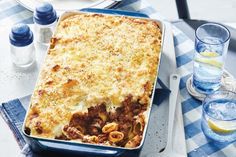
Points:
[[21, 35], [44, 14]]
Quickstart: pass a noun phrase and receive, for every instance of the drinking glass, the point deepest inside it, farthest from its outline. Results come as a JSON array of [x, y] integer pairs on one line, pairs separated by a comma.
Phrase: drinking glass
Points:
[[219, 116], [211, 45]]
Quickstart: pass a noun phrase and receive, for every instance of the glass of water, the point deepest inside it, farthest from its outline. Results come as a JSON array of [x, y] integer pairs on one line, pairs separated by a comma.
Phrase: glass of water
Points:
[[219, 116], [211, 45]]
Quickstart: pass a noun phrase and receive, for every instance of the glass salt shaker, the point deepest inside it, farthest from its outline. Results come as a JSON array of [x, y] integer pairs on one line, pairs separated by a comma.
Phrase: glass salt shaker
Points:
[[22, 46], [45, 19]]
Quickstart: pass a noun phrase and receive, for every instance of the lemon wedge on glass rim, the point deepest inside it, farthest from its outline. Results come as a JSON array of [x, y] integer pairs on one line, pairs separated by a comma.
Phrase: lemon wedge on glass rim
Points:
[[222, 127]]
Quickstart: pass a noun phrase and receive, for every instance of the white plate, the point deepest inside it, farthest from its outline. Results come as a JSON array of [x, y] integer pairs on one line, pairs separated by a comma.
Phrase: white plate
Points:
[[64, 5]]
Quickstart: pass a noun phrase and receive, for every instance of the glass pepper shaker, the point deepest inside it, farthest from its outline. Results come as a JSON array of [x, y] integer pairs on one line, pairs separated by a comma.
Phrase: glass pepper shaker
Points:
[[22, 46], [45, 19]]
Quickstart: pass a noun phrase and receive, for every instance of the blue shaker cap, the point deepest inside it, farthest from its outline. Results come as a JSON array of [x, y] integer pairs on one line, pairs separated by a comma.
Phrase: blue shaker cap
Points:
[[44, 14], [21, 35]]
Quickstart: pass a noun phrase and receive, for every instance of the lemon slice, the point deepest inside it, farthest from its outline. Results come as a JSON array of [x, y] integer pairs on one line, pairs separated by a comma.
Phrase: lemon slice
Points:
[[221, 127], [209, 54], [210, 62]]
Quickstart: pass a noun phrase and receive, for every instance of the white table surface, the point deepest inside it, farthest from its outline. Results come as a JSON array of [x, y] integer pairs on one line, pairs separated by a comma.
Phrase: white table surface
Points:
[[15, 84]]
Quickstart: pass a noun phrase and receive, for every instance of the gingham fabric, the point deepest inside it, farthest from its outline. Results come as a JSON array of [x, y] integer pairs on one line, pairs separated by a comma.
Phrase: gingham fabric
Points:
[[197, 144]]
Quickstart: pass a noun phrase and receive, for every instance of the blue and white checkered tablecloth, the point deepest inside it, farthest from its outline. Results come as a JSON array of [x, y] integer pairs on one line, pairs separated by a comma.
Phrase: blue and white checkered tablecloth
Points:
[[197, 144]]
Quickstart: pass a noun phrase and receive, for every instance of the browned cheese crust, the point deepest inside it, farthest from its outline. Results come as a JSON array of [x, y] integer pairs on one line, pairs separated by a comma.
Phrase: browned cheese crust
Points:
[[96, 82]]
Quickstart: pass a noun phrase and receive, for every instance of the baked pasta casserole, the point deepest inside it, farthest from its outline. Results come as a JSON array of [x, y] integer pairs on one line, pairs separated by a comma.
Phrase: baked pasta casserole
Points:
[[96, 83]]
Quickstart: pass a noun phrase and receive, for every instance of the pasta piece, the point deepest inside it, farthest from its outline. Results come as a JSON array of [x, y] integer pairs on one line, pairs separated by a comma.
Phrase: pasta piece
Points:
[[90, 139], [80, 128], [139, 125], [72, 132], [103, 116], [130, 134], [93, 139], [110, 127], [115, 136], [134, 142]]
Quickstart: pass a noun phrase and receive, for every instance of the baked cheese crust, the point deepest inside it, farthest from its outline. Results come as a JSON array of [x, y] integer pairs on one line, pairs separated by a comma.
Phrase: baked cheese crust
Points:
[[94, 60]]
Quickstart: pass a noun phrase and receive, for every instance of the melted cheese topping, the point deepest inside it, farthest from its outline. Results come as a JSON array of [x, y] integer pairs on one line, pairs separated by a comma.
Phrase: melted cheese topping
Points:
[[93, 59]]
